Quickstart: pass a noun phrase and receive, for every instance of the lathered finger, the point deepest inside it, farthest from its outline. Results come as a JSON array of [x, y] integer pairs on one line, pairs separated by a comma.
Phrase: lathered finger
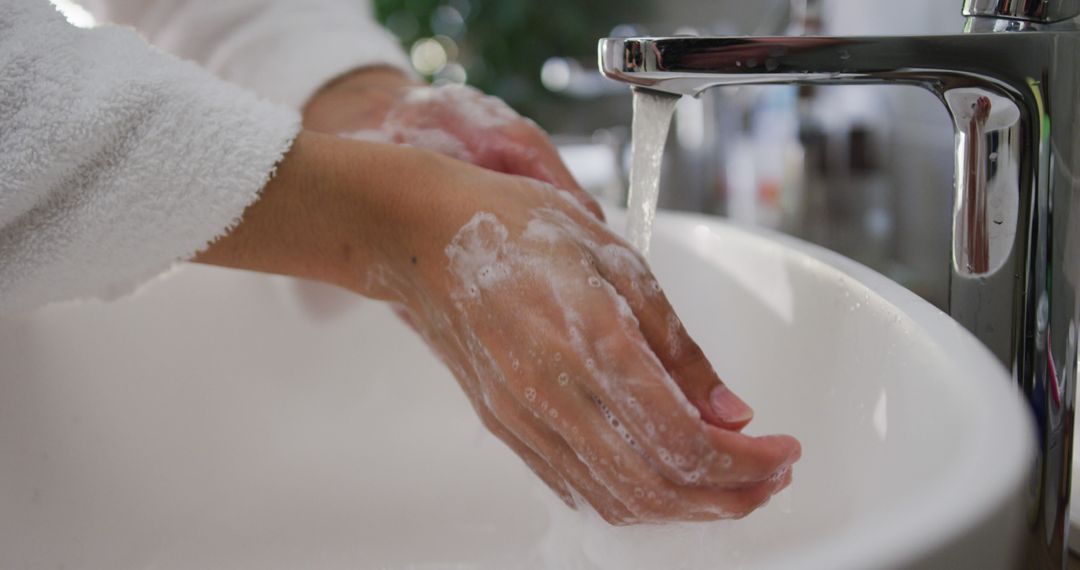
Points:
[[627, 273], [748, 459], [539, 465], [614, 458], [667, 337], [529, 421], [625, 374]]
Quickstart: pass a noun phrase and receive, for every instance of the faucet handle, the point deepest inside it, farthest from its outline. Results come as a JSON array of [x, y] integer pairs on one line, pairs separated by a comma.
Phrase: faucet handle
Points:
[[1045, 11]]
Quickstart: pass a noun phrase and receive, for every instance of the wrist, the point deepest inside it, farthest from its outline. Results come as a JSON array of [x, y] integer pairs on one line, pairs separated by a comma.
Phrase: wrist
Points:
[[337, 210], [279, 232]]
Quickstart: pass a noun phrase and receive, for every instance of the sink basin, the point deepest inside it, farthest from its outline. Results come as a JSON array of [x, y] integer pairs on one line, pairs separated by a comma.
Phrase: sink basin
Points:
[[222, 419]]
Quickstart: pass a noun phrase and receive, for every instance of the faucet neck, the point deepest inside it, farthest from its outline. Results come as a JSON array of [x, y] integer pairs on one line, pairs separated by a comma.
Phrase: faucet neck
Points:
[[1042, 11]]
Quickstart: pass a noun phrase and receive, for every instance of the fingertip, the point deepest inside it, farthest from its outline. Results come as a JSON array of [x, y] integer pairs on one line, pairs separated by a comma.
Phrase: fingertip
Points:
[[783, 446], [755, 459], [729, 411]]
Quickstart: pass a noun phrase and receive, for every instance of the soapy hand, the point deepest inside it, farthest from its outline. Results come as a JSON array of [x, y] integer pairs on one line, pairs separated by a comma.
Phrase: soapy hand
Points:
[[383, 105], [557, 331], [562, 339], [569, 352]]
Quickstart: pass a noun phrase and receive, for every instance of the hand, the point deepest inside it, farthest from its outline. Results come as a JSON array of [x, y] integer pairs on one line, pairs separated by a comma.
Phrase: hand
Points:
[[555, 329], [380, 104]]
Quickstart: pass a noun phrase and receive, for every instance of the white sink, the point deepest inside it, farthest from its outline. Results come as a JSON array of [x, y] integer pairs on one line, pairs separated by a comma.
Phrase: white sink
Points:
[[229, 420]]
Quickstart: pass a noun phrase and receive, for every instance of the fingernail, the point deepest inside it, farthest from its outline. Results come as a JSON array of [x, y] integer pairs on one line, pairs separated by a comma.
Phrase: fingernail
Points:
[[728, 407]]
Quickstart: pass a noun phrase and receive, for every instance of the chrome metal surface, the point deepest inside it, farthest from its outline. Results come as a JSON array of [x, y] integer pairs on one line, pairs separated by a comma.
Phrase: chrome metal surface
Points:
[[1033, 10], [1015, 265]]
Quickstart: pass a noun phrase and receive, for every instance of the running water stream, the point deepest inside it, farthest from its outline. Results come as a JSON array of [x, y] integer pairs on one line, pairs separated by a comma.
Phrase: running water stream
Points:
[[652, 118]]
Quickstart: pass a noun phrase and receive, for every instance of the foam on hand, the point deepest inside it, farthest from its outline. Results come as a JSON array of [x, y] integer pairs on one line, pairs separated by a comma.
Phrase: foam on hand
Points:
[[447, 119]]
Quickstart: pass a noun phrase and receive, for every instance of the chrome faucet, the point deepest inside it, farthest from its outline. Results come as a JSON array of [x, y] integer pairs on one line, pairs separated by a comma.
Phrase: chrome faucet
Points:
[[1011, 83]]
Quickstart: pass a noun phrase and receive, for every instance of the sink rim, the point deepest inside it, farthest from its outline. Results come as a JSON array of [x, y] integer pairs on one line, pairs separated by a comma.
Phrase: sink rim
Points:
[[969, 493]]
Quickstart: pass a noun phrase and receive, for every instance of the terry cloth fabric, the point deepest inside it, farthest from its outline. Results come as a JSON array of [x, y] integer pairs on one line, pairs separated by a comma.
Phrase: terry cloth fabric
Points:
[[117, 159]]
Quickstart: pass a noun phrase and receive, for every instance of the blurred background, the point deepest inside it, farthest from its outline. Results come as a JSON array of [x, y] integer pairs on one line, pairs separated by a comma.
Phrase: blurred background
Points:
[[866, 171]]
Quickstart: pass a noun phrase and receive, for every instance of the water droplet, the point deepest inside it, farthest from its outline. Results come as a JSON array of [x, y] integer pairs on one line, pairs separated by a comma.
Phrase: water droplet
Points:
[[844, 55], [993, 156], [530, 394], [564, 379], [751, 63], [594, 282], [771, 64]]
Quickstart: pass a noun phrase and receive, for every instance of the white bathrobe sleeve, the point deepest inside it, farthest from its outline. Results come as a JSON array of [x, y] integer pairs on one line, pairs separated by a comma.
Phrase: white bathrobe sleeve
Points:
[[284, 50], [115, 159]]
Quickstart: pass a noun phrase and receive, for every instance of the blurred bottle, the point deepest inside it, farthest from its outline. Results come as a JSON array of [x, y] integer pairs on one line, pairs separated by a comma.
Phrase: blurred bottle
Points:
[[767, 168], [779, 158]]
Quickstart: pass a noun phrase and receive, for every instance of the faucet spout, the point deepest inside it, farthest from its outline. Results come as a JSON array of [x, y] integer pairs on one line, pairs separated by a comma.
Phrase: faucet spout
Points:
[[690, 65]]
